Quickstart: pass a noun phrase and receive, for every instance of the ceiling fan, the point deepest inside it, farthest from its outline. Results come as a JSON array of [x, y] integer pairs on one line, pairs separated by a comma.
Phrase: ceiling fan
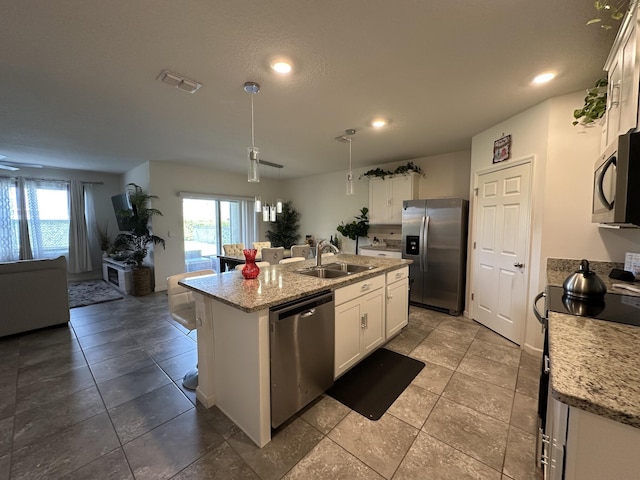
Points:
[[13, 167]]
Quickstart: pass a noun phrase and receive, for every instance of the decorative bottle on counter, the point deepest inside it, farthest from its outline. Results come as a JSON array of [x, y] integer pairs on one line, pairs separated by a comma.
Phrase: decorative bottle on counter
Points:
[[250, 269]]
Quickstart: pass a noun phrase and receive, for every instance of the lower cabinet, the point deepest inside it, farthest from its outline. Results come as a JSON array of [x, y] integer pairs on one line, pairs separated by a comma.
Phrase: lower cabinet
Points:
[[600, 448], [360, 322], [397, 304]]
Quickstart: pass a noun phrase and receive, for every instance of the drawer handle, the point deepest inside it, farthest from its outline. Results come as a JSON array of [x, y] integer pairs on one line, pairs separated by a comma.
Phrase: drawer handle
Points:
[[365, 286]]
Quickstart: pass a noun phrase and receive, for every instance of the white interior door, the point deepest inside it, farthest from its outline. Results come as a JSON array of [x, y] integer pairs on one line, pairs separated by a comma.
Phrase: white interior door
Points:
[[500, 237]]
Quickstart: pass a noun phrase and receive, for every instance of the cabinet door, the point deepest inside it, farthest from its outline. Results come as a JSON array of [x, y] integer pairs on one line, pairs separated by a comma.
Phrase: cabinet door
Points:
[[401, 189], [378, 200], [372, 320], [397, 307], [347, 341], [613, 100], [629, 83]]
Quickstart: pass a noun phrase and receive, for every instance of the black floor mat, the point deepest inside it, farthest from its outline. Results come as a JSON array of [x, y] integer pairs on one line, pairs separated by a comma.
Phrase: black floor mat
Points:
[[372, 386]]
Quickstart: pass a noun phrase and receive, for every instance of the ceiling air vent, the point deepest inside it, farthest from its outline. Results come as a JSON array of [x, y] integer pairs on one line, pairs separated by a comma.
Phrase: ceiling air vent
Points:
[[178, 81]]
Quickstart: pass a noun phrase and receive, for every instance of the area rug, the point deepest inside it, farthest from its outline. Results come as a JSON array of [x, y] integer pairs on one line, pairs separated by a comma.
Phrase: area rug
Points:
[[372, 386], [90, 292]]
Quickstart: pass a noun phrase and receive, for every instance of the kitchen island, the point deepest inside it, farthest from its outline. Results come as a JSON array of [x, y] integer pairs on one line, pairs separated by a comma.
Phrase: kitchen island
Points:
[[232, 316]]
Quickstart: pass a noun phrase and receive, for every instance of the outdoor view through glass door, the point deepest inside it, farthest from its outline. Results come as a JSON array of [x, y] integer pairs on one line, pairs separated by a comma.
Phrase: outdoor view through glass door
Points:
[[209, 223]]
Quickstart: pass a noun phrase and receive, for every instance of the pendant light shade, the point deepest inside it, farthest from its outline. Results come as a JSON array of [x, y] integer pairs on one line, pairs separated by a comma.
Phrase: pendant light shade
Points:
[[252, 152], [279, 205], [347, 138], [272, 212], [258, 204]]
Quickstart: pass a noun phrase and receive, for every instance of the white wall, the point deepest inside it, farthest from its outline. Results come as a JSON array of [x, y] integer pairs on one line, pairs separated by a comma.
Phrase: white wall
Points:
[[528, 132], [562, 188], [166, 180], [323, 203], [568, 230]]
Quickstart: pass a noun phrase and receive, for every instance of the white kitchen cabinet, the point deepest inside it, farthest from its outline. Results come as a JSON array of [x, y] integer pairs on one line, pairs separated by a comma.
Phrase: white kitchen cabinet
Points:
[[369, 252], [386, 197], [623, 69], [359, 322], [397, 301], [598, 448]]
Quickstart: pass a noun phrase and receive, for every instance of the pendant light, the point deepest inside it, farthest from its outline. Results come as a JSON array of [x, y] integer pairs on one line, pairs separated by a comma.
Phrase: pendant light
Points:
[[347, 138], [252, 151], [258, 203], [278, 199]]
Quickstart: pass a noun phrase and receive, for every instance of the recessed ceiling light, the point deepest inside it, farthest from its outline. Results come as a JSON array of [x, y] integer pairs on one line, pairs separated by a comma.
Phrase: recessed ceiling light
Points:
[[544, 78], [379, 123], [281, 67]]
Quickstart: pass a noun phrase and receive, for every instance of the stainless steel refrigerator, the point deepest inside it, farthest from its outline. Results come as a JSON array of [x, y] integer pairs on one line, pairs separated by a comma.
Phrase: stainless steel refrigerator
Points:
[[434, 236]]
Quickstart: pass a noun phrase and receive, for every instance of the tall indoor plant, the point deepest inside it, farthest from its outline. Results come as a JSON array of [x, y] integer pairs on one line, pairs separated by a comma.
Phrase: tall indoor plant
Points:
[[285, 229], [136, 238], [357, 228]]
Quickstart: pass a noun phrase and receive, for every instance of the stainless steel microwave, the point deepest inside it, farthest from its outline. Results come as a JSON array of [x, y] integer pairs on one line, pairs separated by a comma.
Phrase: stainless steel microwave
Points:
[[616, 183]]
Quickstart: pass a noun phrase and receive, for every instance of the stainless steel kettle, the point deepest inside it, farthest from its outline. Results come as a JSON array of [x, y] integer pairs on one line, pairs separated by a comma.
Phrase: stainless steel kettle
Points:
[[584, 284]]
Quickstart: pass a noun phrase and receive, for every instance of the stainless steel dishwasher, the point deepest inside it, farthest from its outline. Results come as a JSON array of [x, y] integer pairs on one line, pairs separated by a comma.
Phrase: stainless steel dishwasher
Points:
[[302, 353]]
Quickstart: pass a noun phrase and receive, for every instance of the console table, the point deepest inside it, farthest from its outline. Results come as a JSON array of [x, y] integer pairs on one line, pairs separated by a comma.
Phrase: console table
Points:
[[118, 274]]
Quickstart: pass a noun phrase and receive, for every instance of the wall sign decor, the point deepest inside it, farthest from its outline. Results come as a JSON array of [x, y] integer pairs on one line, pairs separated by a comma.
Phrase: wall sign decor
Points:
[[502, 149]]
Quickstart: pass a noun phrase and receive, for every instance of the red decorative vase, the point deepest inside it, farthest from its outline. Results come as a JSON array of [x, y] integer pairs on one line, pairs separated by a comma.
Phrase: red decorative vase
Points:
[[250, 269]]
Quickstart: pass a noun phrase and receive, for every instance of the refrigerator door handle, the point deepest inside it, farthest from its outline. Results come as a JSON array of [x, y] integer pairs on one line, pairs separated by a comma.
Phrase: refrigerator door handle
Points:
[[424, 235]]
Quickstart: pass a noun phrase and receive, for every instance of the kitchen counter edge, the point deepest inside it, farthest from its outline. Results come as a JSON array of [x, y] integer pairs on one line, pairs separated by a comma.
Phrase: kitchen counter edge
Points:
[[279, 284]]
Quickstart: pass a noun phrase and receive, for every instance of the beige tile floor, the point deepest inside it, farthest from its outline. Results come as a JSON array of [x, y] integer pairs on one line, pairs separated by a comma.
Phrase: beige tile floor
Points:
[[102, 399]]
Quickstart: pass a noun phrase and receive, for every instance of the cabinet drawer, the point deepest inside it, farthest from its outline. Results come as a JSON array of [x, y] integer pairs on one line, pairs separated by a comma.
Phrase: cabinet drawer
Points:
[[397, 275], [380, 253], [357, 289]]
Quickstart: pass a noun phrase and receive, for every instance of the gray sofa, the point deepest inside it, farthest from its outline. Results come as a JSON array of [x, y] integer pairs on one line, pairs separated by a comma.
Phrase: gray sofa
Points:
[[34, 293]]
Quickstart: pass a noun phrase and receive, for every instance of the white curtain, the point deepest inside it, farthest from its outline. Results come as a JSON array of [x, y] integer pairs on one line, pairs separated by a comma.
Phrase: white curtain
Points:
[[9, 243], [249, 227], [79, 248], [23, 221]]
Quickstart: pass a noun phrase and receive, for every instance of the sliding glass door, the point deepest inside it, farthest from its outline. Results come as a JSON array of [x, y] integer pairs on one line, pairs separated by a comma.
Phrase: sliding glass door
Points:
[[212, 222]]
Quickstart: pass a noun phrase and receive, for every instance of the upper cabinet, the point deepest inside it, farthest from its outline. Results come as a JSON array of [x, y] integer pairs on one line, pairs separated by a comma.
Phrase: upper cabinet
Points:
[[623, 69], [387, 194]]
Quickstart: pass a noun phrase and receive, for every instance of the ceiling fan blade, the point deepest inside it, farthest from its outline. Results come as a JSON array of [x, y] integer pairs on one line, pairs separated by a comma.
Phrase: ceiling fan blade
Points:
[[8, 167]]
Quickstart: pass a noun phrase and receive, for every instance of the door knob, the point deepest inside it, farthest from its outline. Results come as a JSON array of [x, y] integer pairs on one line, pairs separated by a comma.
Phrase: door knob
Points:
[[518, 265]]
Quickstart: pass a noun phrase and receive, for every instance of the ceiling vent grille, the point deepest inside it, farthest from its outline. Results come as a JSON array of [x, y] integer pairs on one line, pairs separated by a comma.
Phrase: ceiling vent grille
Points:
[[178, 81]]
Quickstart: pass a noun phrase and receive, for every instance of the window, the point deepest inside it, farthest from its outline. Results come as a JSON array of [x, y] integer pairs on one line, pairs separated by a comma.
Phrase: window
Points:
[[46, 215], [211, 222]]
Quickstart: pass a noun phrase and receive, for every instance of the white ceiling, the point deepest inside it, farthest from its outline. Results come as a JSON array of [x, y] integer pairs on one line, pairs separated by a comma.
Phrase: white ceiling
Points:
[[79, 86]]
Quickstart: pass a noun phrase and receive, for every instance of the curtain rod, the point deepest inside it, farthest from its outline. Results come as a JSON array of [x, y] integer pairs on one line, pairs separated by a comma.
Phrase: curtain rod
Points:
[[52, 180]]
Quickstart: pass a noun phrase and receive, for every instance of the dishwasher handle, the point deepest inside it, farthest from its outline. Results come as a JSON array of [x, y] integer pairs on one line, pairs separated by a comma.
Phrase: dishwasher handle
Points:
[[308, 313]]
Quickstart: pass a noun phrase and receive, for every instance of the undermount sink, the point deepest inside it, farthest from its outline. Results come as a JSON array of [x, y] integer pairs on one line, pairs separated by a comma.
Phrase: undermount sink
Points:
[[334, 270], [348, 267], [322, 272]]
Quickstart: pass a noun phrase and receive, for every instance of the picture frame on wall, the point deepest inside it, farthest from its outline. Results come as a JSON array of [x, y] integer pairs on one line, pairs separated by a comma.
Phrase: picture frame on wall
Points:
[[502, 149]]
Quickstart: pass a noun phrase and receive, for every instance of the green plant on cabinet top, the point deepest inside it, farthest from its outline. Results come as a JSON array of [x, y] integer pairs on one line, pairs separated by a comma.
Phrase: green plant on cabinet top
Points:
[[595, 104], [401, 170]]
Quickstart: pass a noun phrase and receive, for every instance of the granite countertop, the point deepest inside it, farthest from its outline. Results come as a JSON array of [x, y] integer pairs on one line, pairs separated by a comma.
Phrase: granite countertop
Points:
[[278, 284], [595, 364], [559, 269]]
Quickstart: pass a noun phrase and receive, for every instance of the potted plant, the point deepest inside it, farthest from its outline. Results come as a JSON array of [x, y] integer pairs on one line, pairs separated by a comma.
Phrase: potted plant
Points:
[[104, 238], [409, 167], [595, 104], [357, 228], [137, 237], [285, 228]]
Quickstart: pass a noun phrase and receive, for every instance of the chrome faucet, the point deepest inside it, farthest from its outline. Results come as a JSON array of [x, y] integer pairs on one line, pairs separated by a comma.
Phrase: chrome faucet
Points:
[[321, 246]]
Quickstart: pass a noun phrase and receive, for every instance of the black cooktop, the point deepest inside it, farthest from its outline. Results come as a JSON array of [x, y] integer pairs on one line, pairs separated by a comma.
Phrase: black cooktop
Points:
[[612, 307]]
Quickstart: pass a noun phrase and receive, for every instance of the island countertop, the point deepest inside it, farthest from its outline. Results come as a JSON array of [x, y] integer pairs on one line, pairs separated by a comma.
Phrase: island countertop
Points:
[[278, 284]]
